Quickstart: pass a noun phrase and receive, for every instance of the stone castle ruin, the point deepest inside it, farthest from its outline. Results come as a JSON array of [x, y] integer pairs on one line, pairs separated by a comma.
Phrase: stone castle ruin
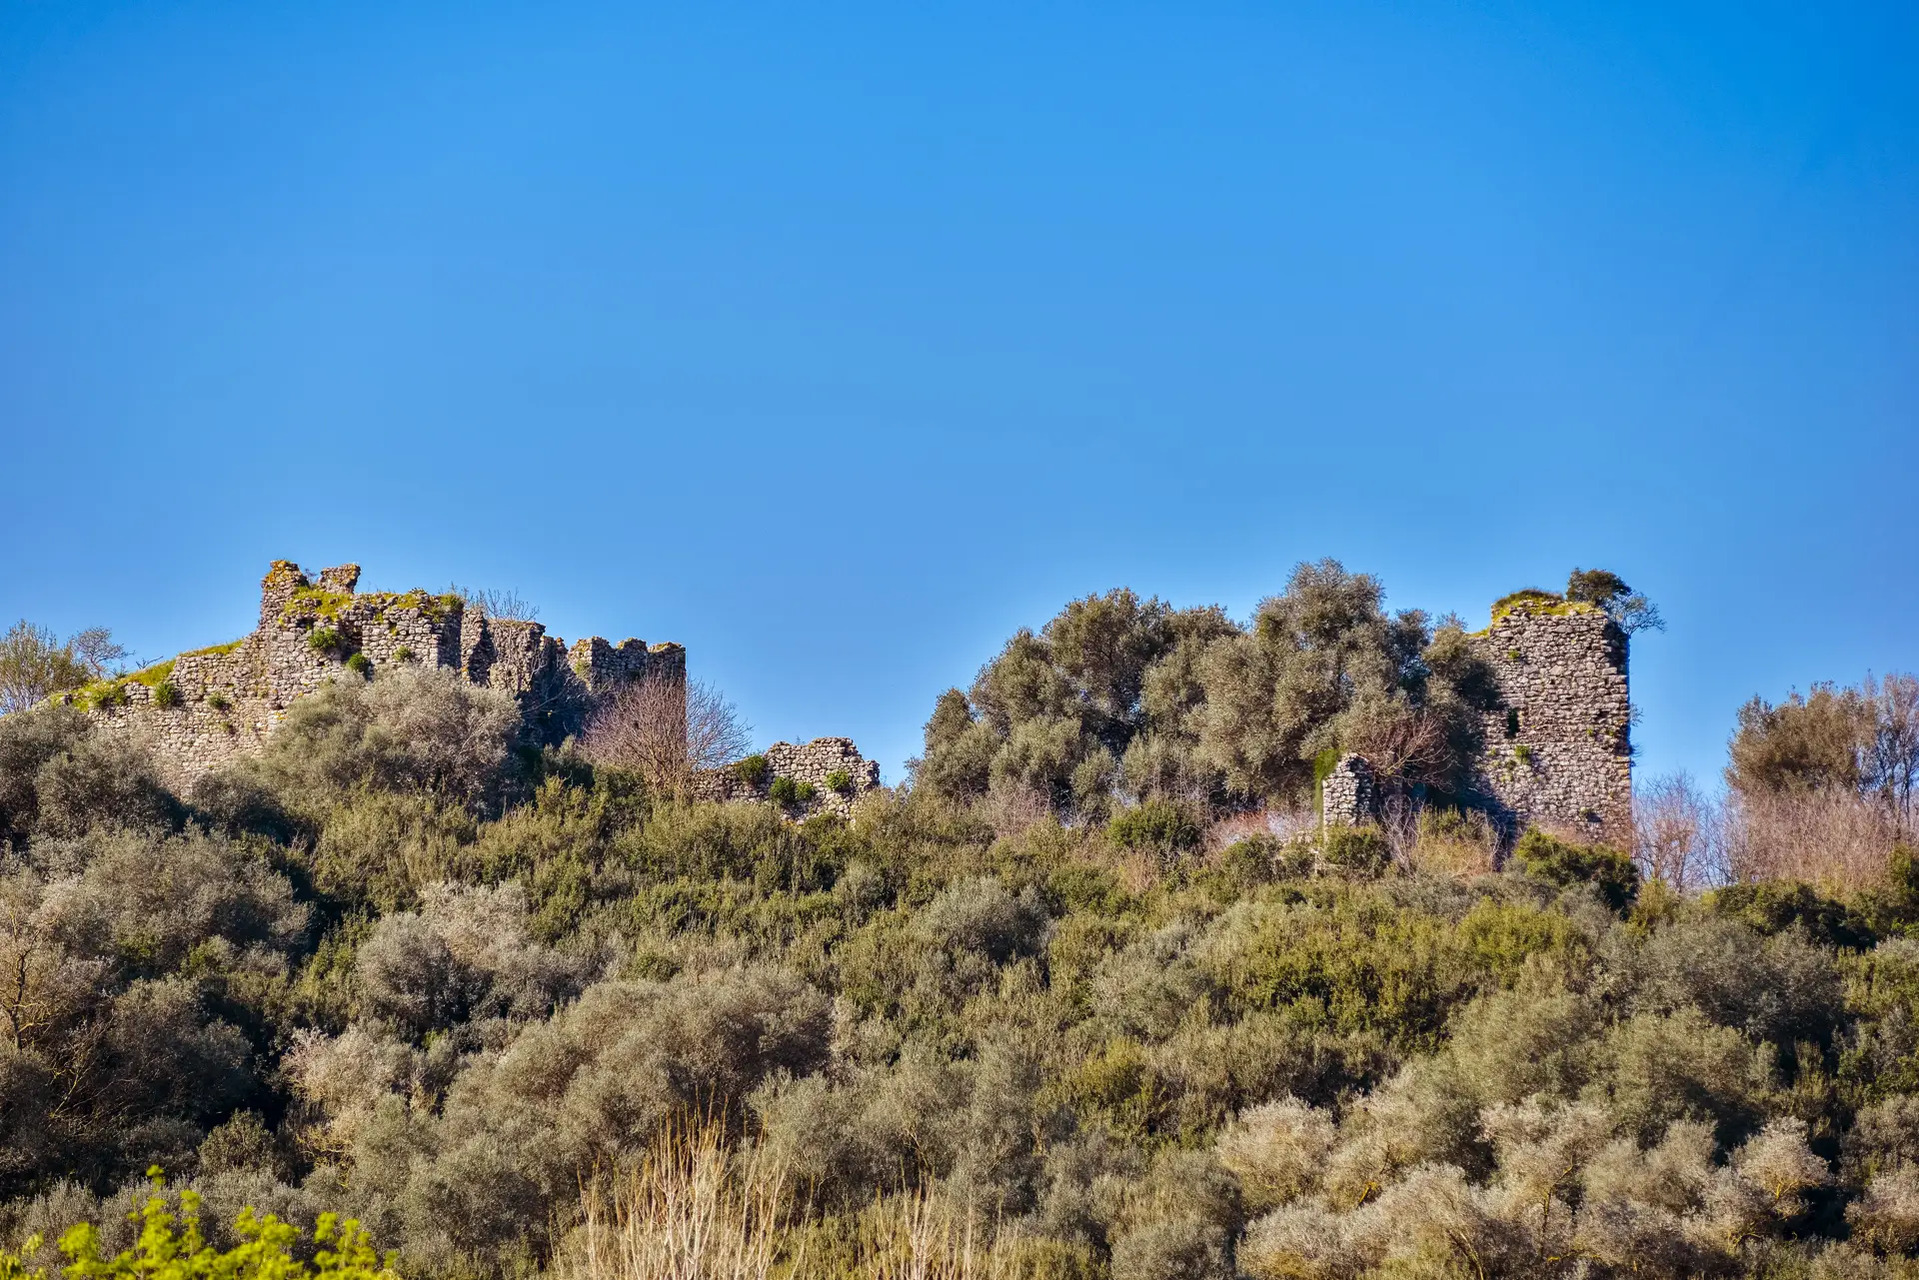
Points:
[[1557, 746], [208, 707], [1557, 750]]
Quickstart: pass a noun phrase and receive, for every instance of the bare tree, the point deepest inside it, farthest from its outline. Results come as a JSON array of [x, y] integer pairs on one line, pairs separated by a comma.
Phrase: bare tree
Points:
[[34, 663], [95, 650], [496, 603], [1676, 833], [666, 730], [1404, 744], [1890, 764]]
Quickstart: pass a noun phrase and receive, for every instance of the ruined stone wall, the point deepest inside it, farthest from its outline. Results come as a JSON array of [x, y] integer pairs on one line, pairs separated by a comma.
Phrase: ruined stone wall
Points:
[[225, 701], [1347, 797], [1558, 750], [812, 763]]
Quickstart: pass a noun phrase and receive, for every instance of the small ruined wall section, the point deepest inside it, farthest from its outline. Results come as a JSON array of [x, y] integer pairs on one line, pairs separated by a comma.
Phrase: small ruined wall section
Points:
[[1347, 796], [1558, 750], [229, 699], [809, 762]]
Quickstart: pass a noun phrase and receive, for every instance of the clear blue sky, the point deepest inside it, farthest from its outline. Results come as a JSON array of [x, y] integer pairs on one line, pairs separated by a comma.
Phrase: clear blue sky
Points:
[[837, 341]]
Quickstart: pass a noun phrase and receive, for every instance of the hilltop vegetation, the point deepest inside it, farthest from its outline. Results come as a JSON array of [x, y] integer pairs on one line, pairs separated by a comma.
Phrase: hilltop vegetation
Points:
[[1067, 1006]]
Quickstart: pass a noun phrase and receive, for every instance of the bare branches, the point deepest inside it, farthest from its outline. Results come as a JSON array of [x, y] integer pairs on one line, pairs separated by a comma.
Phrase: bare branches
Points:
[[506, 605], [1402, 742], [1830, 837], [1890, 759], [667, 730], [1677, 833]]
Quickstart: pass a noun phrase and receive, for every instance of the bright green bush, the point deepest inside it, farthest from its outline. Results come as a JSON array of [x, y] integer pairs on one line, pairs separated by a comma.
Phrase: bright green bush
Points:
[[839, 781], [791, 791], [166, 694], [1354, 851], [325, 640], [1157, 825], [752, 770], [359, 664], [1565, 863], [173, 1248]]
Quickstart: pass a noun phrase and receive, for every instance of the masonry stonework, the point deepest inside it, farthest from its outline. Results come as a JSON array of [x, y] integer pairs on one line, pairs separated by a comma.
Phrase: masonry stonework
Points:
[[819, 764], [1558, 748], [209, 707], [1347, 796]]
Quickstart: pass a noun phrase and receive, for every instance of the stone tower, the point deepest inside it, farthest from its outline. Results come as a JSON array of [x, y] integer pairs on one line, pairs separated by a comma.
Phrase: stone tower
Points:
[[1558, 750]]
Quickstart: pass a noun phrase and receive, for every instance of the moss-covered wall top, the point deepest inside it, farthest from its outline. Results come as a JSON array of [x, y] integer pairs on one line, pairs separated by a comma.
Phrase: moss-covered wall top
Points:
[[205, 707]]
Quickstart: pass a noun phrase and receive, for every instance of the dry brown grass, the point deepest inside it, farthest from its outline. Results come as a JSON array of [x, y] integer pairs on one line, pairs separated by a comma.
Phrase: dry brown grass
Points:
[[700, 1209], [1283, 824], [693, 1210], [1836, 840], [1442, 842]]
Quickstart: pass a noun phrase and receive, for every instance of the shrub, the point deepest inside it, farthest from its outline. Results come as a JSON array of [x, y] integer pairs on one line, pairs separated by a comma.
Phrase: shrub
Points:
[[839, 781], [983, 917], [219, 701], [324, 640], [101, 781], [166, 694], [421, 729], [1253, 861], [752, 770], [1158, 825], [403, 654], [359, 664], [1775, 906], [28, 740], [787, 790], [465, 956], [268, 1247], [1563, 863], [1357, 851]]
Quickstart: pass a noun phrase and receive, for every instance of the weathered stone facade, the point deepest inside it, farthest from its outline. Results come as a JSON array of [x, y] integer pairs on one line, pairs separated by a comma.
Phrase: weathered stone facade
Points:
[[1558, 750], [208, 707], [1347, 795], [819, 764]]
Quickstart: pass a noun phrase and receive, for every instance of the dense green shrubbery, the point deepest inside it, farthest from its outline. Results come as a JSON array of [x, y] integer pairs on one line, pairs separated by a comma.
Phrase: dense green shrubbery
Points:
[[397, 967], [1610, 873], [1122, 696]]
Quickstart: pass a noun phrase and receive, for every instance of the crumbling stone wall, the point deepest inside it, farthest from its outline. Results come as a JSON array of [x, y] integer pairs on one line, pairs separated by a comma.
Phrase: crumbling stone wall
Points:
[[228, 699], [1558, 749], [813, 763], [1347, 795]]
